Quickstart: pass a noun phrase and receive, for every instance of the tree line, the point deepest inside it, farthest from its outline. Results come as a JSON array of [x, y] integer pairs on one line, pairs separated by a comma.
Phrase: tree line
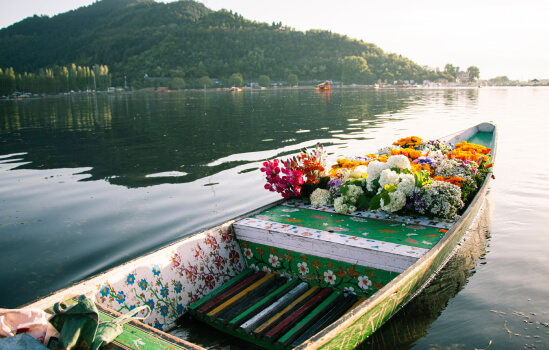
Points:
[[55, 80], [145, 43]]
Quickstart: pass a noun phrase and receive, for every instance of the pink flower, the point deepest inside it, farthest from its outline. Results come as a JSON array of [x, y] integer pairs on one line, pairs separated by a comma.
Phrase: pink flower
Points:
[[287, 185], [209, 281], [234, 257], [192, 273]]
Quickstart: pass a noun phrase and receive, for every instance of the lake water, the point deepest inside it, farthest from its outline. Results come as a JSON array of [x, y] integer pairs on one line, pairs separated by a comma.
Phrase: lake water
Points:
[[89, 182]]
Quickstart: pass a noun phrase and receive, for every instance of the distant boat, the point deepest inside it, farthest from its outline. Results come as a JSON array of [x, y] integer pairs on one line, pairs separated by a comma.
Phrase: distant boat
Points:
[[234, 88], [323, 87]]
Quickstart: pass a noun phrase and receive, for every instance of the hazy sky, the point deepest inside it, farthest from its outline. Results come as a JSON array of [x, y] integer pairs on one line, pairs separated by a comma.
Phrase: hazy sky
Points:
[[501, 37]]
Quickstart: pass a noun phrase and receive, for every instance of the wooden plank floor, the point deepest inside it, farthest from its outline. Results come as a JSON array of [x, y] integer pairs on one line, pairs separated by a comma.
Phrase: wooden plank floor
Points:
[[271, 311]]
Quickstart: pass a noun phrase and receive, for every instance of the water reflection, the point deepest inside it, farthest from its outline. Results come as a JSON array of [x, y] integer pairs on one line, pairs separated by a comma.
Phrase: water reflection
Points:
[[60, 156], [412, 322], [125, 139]]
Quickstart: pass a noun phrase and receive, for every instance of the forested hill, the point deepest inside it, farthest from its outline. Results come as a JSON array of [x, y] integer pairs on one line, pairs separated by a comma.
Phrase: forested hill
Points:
[[187, 40]]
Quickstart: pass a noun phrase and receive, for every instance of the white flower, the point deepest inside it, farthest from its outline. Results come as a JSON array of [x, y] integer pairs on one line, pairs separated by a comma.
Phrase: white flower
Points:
[[398, 201], [370, 184], [303, 269], [441, 199], [266, 269], [273, 260], [407, 184], [400, 161], [340, 206], [343, 205], [252, 266], [388, 177], [248, 253], [320, 197], [364, 282], [362, 168], [329, 277], [374, 169], [437, 156], [354, 192]]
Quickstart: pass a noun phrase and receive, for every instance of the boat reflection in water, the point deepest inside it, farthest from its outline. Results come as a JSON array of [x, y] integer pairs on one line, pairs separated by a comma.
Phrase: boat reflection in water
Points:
[[412, 322]]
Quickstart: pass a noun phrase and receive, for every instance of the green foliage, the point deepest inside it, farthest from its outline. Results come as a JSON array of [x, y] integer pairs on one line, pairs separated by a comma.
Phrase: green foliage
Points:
[[422, 178], [177, 84], [264, 81], [363, 202], [292, 80], [236, 80], [474, 73], [500, 80], [375, 203], [451, 70], [187, 40], [205, 81], [355, 70], [55, 80]]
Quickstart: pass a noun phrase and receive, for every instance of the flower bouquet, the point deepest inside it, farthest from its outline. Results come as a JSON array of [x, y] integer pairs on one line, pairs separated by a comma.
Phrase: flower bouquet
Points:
[[412, 176]]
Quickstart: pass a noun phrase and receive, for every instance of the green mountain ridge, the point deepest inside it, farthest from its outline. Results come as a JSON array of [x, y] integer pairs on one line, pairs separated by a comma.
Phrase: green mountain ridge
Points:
[[187, 40]]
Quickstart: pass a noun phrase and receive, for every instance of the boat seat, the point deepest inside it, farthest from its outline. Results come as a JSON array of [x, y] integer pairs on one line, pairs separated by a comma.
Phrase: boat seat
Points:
[[372, 239]]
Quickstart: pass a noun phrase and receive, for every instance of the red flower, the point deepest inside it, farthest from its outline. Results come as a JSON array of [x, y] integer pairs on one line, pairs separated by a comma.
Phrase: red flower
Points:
[[194, 297], [220, 262], [176, 260], [234, 257], [226, 235], [212, 242], [198, 252], [191, 273], [209, 281]]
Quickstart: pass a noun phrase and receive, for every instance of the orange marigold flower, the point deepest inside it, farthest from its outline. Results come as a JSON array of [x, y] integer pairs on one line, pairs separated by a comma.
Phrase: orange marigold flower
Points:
[[454, 180], [408, 152], [408, 141], [416, 167], [473, 147]]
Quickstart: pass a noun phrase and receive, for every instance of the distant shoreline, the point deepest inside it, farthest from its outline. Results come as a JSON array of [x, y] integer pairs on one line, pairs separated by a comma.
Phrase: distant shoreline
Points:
[[23, 96]]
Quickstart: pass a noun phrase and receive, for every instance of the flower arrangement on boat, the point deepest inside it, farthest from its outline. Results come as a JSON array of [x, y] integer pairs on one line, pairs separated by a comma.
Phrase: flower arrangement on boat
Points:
[[410, 177]]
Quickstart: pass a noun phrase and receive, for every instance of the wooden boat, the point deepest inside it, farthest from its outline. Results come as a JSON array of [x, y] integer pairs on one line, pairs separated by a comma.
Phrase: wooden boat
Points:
[[288, 275], [323, 87]]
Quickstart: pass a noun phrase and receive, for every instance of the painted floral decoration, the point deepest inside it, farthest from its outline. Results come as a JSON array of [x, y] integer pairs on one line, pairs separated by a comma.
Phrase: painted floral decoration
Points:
[[169, 283]]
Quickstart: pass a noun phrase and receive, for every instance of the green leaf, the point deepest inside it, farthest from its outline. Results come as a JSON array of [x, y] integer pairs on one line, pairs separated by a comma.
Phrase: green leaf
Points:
[[363, 202], [375, 203], [422, 178], [386, 198], [390, 188], [344, 189]]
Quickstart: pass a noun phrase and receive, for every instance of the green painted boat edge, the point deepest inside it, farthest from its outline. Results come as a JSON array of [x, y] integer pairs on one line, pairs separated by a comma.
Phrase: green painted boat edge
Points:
[[375, 311]]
